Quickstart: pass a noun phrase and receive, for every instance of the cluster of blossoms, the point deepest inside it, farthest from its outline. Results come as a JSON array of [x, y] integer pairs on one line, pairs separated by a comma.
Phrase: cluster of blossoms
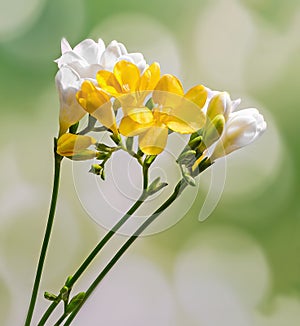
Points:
[[102, 81]]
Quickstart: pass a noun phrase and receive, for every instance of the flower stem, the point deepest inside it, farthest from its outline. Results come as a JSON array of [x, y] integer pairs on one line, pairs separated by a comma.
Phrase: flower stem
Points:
[[57, 165], [177, 191], [97, 249]]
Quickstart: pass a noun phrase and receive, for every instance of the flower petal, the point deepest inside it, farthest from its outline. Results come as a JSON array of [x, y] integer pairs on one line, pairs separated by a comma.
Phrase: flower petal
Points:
[[140, 115], [154, 139], [135, 58], [168, 91], [150, 77], [197, 95], [108, 82], [65, 46], [184, 118], [98, 104], [68, 83], [89, 50], [128, 75], [130, 128]]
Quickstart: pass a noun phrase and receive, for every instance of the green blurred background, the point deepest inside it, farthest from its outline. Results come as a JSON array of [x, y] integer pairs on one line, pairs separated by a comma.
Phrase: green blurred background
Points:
[[239, 267]]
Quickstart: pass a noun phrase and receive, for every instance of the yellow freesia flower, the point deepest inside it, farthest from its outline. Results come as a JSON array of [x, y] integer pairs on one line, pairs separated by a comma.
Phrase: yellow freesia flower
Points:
[[98, 104], [76, 146], [173, 110], [127, 84]]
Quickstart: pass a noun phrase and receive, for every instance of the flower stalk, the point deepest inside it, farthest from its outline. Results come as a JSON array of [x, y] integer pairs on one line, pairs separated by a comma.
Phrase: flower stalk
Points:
[[57, 166]]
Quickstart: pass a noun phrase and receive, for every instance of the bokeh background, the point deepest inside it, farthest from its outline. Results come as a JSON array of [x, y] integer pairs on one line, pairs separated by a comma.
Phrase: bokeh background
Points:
[[241, 266]]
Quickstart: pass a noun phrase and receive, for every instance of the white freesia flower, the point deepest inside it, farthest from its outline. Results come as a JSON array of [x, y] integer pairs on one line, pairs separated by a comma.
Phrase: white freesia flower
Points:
[[82, 63], [68, 82], [241, 129], [89, 56]]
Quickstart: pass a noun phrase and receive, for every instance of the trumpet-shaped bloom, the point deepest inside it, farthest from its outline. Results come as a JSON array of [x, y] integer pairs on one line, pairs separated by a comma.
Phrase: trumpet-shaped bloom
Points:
[[241, 129], [173, 110], [89, 56], [97, 103], [76, 146], [67, 82], [127, 83], [82, 63]]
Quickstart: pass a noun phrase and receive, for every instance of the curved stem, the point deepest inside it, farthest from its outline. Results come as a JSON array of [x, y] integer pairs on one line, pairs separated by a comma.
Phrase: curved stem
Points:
[[96, 250], [177, 191], [57, 165]]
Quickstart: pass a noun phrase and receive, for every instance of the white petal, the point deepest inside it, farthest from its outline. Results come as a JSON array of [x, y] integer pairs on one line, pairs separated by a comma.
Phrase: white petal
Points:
[[89, 50], [70, 58], [137, 59], [67, 77], [65, 46], [111, 55]]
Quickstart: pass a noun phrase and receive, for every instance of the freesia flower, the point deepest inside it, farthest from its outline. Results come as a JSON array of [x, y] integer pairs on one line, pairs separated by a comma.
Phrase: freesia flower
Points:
[[67, 83], [82, 63], [76, 146], [173, 110], [88, 57], [241, 129], [97, 103], [127, 83]]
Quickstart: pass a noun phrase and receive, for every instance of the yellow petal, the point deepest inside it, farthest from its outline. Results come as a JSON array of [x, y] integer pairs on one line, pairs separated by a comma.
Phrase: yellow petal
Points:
[[106, 116], [197, 94], [70, 144], [150, 77], [140, 115], [128, 75], [185, 118], [108, 82], [154, 140], [130, 128], [90, 97], [98, 104], [168, 91]]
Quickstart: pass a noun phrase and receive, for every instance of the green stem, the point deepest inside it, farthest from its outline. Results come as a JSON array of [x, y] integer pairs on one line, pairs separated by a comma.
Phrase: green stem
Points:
[[61, 319], [177, 191], [95, 251], [57, 165]]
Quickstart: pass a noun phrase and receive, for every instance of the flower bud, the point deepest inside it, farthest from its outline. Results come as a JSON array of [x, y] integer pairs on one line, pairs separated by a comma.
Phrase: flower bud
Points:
[[214, 130], [75, 147], [241, 129], [219, 104]]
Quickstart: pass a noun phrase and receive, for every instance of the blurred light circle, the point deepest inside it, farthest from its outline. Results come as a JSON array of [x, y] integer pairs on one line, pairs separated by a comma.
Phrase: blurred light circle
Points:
[[17, 16], [42, 42], [142, 33], [134, 293], [223, 37], [106, 201], [220, 276]]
